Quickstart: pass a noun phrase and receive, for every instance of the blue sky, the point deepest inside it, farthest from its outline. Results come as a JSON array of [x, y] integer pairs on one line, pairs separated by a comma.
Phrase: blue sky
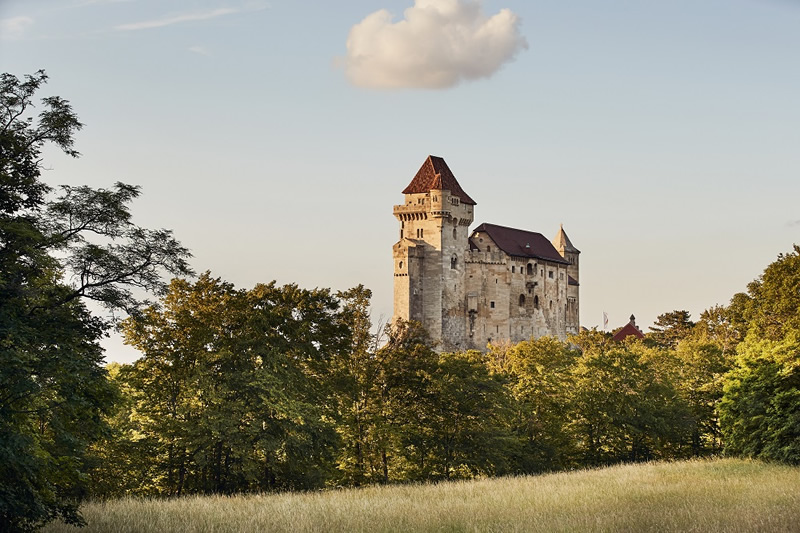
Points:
[[663, 135]]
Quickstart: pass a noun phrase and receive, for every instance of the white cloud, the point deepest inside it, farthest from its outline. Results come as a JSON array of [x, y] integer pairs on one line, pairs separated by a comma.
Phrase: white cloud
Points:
[[14, 27], [177, 19], [438, 44], [200, 50]]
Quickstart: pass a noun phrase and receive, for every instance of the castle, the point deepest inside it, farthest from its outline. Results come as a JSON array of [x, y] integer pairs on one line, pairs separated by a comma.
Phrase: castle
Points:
[[494, 284]]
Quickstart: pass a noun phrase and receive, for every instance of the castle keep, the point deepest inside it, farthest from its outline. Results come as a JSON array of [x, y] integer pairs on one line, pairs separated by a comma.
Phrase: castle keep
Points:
[[492, 284]]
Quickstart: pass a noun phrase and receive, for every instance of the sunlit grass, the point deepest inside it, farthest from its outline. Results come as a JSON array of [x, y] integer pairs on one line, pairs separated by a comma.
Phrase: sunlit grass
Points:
[[707, 496]]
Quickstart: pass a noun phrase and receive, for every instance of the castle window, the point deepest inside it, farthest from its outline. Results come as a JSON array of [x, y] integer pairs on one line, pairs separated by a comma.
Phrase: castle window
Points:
[[551, 305], [530, 269], [522, 300], [560, 275], [536, 302], [491, 304], [541, 272], [550, 274], [400, 265], [453, 261], [512, 269], [488, 248], [455, 235]]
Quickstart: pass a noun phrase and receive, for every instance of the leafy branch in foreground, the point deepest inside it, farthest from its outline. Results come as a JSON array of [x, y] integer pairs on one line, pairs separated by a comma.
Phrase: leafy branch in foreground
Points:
[[54, 253]]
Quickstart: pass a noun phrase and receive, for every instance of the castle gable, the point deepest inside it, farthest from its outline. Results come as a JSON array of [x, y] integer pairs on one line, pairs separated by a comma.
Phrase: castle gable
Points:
[[434, 174], [521, 243]]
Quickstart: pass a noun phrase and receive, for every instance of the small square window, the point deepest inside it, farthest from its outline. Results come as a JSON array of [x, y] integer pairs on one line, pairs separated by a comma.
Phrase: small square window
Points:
[[491, 304], [550, 274]]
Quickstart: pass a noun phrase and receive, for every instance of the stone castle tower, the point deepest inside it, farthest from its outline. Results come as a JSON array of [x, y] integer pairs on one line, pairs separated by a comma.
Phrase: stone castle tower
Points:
[[469, 289]]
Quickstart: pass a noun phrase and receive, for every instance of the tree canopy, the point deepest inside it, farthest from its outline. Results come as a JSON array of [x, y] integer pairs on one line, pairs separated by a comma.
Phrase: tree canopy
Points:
[[56, 251]]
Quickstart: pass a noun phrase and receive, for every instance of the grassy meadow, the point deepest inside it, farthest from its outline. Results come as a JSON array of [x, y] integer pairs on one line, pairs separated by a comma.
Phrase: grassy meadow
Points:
[[702, 496]]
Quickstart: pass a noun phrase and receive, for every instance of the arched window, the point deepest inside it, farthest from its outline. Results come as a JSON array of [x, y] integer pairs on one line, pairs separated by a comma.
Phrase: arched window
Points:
[[455, 235], [453, 262], [400, 265], [522, 300], [536, 302], [512, 269], [488, 248], [551, 305], [530, 269]]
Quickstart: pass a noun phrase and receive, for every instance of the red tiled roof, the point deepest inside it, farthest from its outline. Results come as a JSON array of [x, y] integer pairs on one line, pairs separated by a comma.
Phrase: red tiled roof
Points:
[[628, 331], [434, 174], [521, 243]]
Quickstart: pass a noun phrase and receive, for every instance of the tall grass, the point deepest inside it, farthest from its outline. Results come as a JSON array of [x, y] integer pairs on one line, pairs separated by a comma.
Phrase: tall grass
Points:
[[702, 496]]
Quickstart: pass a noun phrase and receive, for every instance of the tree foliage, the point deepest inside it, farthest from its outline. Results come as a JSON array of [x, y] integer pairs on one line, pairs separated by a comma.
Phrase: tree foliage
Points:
[[232, 391], [670, 328], [760, 411], [540, 381], [54, 252]]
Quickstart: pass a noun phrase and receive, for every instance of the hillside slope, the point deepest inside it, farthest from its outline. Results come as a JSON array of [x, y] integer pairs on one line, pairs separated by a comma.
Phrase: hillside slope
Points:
[[707, 496]]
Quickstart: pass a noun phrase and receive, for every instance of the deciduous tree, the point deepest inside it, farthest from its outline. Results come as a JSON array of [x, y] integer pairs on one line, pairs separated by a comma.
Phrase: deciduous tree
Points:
[[54, 253]]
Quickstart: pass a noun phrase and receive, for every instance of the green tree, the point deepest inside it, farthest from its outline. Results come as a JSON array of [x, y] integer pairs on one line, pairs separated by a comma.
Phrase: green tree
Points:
[[771, 307], [468, 419], [624, 406], [352, 378], [719, 325], [54, 388], [699, 378], [670, 328], [232, 393], [540, 375], [401, 403], [760, 409]]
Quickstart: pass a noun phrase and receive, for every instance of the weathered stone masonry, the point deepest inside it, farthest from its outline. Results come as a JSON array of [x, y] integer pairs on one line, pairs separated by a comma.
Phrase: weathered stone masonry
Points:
[[494, 284]]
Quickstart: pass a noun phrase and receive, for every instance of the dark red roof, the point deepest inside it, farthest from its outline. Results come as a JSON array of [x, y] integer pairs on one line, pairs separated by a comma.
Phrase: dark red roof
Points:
[[434, 174], [628, 331], [572, 281], [521, 243]]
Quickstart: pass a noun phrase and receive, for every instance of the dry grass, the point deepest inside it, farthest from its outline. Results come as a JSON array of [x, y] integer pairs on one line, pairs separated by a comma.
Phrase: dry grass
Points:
[[707, 496]]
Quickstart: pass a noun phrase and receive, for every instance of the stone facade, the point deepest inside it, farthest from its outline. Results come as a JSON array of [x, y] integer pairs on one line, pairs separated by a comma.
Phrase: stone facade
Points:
[[494, 284]]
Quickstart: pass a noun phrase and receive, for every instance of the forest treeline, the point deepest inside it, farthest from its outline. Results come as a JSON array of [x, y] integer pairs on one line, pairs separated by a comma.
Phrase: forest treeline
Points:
[[284, 388], [281, 388]]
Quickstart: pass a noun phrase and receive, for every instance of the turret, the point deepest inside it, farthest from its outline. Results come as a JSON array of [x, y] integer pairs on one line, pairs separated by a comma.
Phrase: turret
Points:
[[565, 247], [429, 257]]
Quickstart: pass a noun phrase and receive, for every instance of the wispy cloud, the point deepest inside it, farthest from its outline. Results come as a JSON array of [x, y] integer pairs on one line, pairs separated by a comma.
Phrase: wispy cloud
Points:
[[793, 223], [438, 44], [14, 27], [83, 3], [177, 19], [199, 50]]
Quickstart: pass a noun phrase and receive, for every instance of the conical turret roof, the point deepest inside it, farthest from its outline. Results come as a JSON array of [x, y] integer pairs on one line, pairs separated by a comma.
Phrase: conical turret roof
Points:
[[562, 241], [434, 174]]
